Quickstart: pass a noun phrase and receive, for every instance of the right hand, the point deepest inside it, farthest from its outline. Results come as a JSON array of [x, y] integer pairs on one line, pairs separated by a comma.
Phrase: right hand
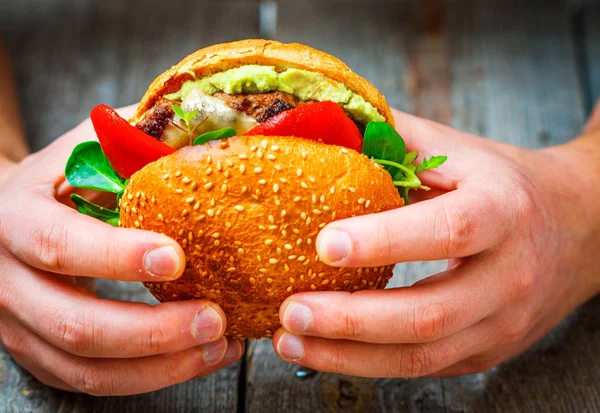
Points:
[[65, 335]]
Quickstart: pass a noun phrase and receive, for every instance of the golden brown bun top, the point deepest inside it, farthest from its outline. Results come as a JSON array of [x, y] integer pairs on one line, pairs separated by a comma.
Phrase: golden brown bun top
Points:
[[221, 57], [247, 212]]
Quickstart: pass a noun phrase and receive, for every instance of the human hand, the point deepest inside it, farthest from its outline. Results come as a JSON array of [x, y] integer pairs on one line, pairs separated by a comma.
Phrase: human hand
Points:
[[521, 229], [65, 335]]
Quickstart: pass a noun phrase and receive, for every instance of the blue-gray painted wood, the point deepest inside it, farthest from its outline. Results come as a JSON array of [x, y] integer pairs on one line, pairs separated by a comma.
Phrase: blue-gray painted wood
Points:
[[591, 19]]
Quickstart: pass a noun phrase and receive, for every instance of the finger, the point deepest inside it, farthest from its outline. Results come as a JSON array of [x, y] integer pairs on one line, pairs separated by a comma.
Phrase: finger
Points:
[[383, 360], [458, 224], [111, 377], [79, 323], [423, 313], [43, 376], [593, 122], [59, 239]]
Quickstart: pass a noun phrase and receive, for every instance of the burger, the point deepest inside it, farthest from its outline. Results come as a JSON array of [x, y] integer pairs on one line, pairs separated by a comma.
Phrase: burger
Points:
[[242, 153]]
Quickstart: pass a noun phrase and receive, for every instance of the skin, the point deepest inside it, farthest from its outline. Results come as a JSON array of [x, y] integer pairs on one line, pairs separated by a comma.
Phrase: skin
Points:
[[521, 230], [51, 321]]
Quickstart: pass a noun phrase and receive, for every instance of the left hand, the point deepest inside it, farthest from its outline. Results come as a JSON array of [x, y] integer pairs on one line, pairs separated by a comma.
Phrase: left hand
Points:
[[522, 231]]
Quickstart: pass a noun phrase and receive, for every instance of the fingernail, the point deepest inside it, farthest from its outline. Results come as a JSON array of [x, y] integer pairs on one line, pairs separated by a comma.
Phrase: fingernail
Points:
[[290, 347], [214, 351], [162, 262], [208, 325], [234, 349], [333, 245], [297, 317]]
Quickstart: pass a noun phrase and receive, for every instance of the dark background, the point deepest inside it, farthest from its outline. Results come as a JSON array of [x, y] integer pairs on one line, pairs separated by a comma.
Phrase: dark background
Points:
[[523, 72]]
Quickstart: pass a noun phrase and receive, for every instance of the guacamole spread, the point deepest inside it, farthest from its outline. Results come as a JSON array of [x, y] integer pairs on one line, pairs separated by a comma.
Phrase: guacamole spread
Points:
[[303, 84]]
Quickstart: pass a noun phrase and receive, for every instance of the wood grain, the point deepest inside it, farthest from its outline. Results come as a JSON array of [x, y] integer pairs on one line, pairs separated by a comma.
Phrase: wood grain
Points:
[[591, 31], [70, 55]]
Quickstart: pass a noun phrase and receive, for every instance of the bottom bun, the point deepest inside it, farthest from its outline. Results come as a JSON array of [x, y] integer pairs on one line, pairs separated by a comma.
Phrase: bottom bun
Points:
[[247, 212]]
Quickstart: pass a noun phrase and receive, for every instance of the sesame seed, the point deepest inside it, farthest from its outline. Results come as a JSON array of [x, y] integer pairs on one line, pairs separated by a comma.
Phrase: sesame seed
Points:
[[316, 211], [272, 227], [324, 282], [228, 162], [200, 233], [283, 233], [268, 241], [242, 169], [259, 154], [271, 219], [217, 243], [312, 179], [231, 269], [322, 225], [194, 186], [303, 155], [314, 198], [367, 203], [253, 148], [208, 159], [277, 202], [257, 170], [332, 190], [296, 231], [269, 280], [219, 166], [244, 189], [263, 270], [137, 224], [264, 143], [333, 215], [272, 261], [361, 201], [271, 157], [351, 189], [201, 217], [301, 258], [299, 241], [313, 287], [286, 267], [227, 173], [160, 217], [262, 181], [224, 188], [179, 191], [241, 251], [210, 213], [129, 196], [288, 246], [237, 243], [344, 150], [243, 156], [166, 176], [252, 280], [297, 199], [208, 186], [277, 167], [309, 241], [184, 212], [299, 172], [283, 180], [219, 212], [303, 185], [216, 235], [180, 233], [292, 257], [190, 200], [275, 188], [186, 180], [258, 258], [326, 208], [310, 274], [134, 210], [262, 227], [178, 174], [308, 220], [239, 208], [278, 251]]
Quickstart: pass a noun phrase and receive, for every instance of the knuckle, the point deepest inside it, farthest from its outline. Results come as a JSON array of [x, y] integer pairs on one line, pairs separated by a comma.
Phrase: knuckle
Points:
[[93, 380], [430, 323], [15, 343], [337, 361], [524, 285], [515, 329], [51, 243], [452, 229], [410, 361], [71, 329], [155, 341], [351, 323]]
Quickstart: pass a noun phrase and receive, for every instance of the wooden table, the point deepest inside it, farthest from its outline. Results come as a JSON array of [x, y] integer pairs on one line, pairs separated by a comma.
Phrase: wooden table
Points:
[[524, 72]]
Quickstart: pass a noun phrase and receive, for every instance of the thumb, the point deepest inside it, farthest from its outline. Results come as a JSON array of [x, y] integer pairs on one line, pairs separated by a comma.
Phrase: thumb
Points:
[[593, 123]]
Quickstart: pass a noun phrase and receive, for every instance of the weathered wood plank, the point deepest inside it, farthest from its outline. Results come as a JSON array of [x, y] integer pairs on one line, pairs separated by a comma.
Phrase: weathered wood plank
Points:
[[592, 45], [503, 69], [70, 55]]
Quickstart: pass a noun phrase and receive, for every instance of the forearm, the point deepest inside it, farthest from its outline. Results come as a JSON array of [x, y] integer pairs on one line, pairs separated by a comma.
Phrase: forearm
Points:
[[12, 141]]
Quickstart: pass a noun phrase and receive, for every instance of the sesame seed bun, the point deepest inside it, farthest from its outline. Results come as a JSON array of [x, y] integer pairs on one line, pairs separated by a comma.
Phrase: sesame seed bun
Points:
[[221, 57], [247, 212]]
